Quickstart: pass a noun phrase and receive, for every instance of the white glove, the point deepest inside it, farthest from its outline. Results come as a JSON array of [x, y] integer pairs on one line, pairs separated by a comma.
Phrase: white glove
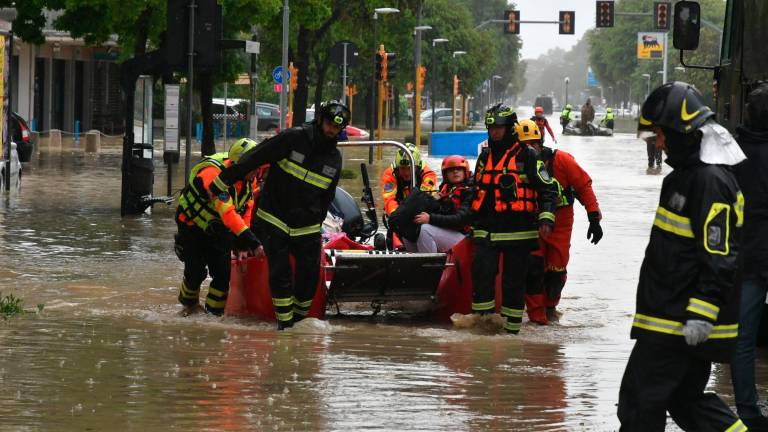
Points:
[[696, 331]]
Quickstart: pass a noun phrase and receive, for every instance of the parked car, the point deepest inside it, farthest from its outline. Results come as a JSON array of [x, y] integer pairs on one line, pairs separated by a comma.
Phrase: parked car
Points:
[[269, 116], [443, 118], [20, 134], [14, 166]]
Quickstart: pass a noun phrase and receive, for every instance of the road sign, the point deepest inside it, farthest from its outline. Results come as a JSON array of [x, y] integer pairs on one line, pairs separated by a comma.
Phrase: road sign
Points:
[[277, 75], [591, 79], [278, 88], [650, 45]]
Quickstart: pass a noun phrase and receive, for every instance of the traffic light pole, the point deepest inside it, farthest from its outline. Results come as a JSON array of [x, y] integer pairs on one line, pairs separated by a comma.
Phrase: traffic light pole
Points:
[[190, 90]]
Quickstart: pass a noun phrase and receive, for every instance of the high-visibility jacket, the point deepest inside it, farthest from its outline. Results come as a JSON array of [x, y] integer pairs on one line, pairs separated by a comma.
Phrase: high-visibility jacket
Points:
[[455, 211], [690, 263], [305, 166], [574, 183], [514, 193], [566, 115], [196, 207], [394, 189]]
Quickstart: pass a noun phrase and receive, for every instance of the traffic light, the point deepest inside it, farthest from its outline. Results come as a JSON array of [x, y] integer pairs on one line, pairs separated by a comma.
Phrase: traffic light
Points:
[[661, 15], [384, 66], [567, 22], [294, 76], [380, 59], [512, 24], [391, 67], [420, 77], [605, 14], [455, 85]]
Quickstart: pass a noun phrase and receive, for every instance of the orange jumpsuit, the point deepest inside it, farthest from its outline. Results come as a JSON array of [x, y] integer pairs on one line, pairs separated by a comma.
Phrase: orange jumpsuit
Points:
[[551, 259], [394, 190]]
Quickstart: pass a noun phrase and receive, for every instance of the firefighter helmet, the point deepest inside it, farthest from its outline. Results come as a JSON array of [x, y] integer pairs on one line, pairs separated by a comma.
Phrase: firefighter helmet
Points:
[[402, 160], [538, 110], [500, 115], [335, 112], [240, 147], [677, 106], [527, 130], [455, 161]]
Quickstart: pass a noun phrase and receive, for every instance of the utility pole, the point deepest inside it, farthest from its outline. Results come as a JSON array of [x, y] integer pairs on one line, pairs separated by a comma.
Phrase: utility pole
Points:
[[284, 75], [190, 90]]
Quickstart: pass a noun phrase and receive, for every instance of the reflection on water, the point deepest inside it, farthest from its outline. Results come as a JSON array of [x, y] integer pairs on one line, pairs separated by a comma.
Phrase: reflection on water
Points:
[[110, 352]]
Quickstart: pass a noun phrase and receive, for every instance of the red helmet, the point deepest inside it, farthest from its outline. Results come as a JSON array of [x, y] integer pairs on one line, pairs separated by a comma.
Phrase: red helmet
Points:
[[455, 161], [538, 110]]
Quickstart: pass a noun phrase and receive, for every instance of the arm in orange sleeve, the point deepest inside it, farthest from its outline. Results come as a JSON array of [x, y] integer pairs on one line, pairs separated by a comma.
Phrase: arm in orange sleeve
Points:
[[389, 191], [428, 179], [574, 175], [546, 124], [225, 208]]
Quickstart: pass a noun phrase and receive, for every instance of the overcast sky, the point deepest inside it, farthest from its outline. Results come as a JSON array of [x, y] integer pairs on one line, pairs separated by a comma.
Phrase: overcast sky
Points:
[[538, 38]]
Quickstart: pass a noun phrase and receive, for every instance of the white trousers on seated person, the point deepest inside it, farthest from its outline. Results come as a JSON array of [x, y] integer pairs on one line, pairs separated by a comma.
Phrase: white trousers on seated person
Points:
[[434, 239]]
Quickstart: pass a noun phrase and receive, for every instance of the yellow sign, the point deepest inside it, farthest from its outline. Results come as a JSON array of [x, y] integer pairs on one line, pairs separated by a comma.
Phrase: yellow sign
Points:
[[2, 93], [650, 45]]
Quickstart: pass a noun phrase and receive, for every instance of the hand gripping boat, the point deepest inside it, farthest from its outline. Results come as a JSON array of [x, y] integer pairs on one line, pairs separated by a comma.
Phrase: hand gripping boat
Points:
[[352, 271]]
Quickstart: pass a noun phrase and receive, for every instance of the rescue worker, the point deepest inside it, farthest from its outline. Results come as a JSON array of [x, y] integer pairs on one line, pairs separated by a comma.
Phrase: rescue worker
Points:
[[607, 121], [442, 228], [549, 263], [515, 195], [396, 184], [566, 116], [210, 224], [753, 178], [305, 165], [542, 123], [587, 116], [654, 154], [687, 302]]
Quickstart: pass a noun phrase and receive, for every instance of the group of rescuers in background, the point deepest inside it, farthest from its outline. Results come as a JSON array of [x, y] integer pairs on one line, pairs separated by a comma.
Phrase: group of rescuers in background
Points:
[[518, 205]]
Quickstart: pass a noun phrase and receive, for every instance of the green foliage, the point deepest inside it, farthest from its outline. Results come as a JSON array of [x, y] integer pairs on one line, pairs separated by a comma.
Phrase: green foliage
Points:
[[10, 306], [613, 51]]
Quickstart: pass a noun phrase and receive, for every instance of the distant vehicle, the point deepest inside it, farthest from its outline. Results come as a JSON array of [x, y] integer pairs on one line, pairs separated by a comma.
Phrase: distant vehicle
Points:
[[269, 116], [443, 118], [20, 134], [544, 102], [232, 113]]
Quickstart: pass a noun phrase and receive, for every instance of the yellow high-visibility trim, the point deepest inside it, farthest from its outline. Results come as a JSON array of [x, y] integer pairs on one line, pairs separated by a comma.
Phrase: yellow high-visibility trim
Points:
[[660, 325], [285, 301], [304, 174], [513, 326], [724, 331], [186, 292], [304, 304], [738, 208], [287, 316], [515, 313], [673, 223], [216, 292], [302, 312], [703, 308], [522, 235], [216, 304], [714, 211], [479, 233], [547, 215], [484, 306], [282, 226], [738, 426]]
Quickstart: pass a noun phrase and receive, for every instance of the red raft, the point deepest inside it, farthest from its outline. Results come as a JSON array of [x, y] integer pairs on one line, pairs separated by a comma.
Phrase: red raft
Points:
[[350, 271]]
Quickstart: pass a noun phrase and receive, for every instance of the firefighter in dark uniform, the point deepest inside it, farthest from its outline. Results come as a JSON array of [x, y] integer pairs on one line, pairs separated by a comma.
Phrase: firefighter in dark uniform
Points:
[[515, 195], [687, 301], [207, 226], [304, 170]]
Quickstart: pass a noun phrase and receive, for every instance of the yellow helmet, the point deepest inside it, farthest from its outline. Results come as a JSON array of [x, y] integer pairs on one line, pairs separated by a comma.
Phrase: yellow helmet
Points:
[[240, 147], [401, 159], [527, 130]]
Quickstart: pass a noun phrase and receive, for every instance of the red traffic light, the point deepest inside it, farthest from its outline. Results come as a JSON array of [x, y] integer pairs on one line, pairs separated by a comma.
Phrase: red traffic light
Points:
[[512, 24], [567, 22], [661, 15]]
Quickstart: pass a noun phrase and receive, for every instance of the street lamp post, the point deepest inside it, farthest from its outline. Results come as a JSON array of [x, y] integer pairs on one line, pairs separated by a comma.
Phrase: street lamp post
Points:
[[416, 92], [567, 80], [647, 85], [453, 95], [493, 80], [434, 77], [372, 116]]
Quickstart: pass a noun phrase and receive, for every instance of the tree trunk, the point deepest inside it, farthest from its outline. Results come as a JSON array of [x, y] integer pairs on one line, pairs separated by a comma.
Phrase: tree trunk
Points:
[[321, 69], [301, 95], [206, 111], [142, 31]]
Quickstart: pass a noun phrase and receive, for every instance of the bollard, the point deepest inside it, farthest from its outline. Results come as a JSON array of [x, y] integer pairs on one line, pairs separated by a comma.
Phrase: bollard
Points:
[[92, 141], [54, 140]]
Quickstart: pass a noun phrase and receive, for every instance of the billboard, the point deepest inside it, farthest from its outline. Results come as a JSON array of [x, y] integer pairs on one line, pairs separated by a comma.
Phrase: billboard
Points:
[[650, 45]]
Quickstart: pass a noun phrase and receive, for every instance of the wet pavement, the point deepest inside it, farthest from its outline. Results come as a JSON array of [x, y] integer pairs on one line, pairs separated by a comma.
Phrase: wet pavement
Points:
[[110, 352]]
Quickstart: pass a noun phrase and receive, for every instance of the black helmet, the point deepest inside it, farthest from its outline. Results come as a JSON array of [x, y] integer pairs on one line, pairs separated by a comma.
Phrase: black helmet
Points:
[[500, 115], [335, 112], [677, 106]]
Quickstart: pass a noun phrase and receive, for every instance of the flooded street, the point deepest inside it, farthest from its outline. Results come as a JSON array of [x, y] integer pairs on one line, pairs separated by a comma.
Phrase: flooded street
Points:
[[110, 352]]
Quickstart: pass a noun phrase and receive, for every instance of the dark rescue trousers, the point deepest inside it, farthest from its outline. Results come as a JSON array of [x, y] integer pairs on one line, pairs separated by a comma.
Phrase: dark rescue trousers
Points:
[[291, 296], [661, 378], [485, 266], [205, 253]]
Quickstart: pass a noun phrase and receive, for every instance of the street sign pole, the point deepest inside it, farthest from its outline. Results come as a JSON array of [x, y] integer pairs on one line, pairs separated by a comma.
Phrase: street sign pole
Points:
[[344, 76], [284, 89], [664, 68], [190, 82]]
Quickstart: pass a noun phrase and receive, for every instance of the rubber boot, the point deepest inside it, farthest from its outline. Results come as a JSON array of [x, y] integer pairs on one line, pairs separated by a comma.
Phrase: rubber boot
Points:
[[535, 306]]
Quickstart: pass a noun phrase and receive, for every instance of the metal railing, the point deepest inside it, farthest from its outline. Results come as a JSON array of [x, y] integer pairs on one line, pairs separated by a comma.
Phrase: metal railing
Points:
[[385, 142]]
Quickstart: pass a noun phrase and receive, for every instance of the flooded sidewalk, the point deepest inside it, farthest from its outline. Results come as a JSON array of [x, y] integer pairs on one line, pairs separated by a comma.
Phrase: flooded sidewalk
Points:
[[109, 350]]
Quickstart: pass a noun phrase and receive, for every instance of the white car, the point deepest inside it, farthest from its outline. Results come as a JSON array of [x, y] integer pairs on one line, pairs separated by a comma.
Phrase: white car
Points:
[[443, 119]]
